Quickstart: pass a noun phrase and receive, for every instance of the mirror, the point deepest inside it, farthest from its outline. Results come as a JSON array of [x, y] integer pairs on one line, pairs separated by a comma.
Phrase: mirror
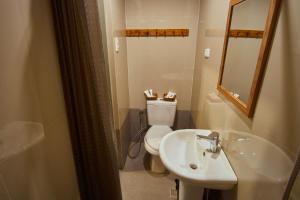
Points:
[[250, 25], [240, 65], [250, 15]]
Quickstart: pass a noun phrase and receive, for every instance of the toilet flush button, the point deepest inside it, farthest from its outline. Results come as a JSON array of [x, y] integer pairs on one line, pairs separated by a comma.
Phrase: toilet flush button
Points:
[[207, 53]]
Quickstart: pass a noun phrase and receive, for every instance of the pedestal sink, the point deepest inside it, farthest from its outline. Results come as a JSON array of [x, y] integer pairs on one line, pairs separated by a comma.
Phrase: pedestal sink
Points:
[[187, 157]]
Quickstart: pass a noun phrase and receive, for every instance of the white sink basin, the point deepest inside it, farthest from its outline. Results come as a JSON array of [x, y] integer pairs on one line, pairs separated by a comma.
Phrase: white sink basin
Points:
[[180, 152], [262, 167]]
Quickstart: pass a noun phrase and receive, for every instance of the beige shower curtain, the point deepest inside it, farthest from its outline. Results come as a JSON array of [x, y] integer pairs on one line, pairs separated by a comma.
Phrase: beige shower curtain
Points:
[[87, 96]]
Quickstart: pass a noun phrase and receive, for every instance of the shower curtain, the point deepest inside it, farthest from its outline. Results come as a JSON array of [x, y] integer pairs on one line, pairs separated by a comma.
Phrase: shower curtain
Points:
[[87, 96]]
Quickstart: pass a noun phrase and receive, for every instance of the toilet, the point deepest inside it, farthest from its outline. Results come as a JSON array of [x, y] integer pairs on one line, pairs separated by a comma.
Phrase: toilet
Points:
[[161, 115]]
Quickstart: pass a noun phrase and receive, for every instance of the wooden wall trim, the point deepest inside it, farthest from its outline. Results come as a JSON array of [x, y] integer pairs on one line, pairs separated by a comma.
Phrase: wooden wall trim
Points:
[[246, 33], [157, 32]]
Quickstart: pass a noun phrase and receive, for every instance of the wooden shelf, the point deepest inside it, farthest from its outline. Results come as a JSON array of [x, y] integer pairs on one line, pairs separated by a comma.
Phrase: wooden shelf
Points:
[[157, 32], [246, 33]]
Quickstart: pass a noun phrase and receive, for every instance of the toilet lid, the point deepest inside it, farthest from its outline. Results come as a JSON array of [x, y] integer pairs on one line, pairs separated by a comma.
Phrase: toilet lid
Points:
[[155, 134]]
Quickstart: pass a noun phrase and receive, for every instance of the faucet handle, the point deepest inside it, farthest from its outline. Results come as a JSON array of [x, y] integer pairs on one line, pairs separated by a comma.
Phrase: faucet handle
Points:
[[215, 136]]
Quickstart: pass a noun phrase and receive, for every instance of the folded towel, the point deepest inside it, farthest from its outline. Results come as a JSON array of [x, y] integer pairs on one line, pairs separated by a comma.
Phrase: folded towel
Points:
[[170, 95], [149, 93]]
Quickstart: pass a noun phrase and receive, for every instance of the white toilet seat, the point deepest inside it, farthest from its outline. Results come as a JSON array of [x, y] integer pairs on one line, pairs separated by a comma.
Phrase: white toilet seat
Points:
[[154, 136]]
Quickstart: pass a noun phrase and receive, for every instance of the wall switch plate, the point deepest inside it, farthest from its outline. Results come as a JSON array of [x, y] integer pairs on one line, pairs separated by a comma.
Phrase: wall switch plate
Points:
[[117, 45], [207, 53]]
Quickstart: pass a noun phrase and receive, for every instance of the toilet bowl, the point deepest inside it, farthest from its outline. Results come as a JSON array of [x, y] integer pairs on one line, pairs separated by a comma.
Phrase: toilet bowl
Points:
[[161, 115], [152, 140], [154, 136]]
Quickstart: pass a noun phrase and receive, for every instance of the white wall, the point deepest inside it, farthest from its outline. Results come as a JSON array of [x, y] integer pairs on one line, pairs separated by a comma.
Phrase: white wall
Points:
[[161, 63]]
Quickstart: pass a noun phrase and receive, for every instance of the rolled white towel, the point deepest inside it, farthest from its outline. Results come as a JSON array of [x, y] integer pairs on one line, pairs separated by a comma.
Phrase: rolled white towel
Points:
[[149, 93], [170, 95]]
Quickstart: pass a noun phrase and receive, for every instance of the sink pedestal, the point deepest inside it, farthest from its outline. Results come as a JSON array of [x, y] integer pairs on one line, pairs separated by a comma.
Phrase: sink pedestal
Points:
[[156, 165], [188, 191]]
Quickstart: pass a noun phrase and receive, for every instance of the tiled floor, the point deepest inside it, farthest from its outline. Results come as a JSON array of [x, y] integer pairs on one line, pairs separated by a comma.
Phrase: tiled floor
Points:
[[138, 184]]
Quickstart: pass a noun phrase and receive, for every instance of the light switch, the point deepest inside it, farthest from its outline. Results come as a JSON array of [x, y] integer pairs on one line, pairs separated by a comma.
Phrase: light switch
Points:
[[117, 45], [207, 53]]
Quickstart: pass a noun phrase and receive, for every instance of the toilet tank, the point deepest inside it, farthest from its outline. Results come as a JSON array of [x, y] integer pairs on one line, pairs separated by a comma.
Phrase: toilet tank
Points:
[[161, 112]]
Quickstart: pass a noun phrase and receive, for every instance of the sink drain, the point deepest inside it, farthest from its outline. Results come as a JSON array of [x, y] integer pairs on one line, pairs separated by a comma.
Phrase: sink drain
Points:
[[193, 166]]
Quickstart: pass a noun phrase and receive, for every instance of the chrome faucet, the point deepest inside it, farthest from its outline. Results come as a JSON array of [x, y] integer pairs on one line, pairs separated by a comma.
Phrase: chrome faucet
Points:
[[213, 137]]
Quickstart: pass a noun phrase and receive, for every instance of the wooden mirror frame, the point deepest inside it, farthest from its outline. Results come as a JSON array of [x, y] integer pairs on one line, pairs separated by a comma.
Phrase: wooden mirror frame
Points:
[[266, 35]]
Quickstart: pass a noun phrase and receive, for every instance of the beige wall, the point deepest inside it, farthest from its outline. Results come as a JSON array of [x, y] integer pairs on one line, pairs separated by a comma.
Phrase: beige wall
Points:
[[30, 90], [112, 21], [114, 24], [161, 63], [277, 112], [210, 35]]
